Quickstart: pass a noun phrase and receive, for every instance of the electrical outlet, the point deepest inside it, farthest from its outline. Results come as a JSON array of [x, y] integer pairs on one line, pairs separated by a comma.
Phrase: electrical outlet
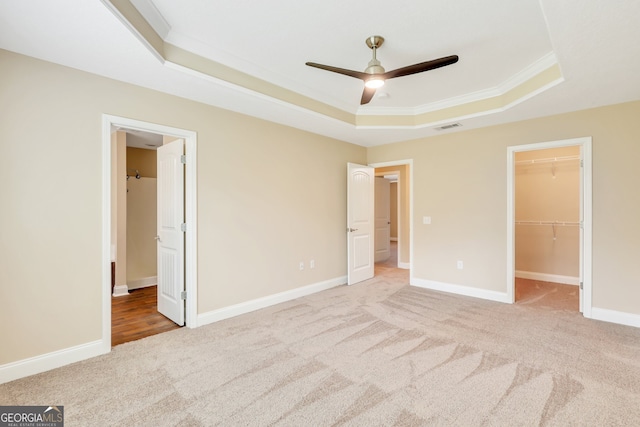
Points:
[[312, 264], [301, 265], [460, 265]]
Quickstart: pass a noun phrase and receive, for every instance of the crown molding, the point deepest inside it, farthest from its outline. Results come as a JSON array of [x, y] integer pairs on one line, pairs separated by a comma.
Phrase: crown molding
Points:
[[151, 13], [517, 79], [456, 111]]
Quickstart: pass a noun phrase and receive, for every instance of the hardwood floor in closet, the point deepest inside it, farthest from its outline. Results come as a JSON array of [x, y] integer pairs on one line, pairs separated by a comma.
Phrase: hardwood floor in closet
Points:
[[136, 316]]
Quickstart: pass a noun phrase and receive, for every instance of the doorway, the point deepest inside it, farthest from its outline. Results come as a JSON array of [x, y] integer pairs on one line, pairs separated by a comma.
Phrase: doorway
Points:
[[386, 220], [112, 124], [400, 175], [135, 309], [547, 221], [549, 224], [361, 218]]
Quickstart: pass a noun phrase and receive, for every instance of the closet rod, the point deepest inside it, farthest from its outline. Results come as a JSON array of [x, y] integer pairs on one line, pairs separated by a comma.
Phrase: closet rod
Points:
[[553, 225], [547, 160]]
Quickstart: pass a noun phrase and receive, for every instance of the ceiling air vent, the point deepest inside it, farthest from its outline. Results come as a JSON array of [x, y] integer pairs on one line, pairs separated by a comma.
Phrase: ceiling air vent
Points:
[[449, 126]]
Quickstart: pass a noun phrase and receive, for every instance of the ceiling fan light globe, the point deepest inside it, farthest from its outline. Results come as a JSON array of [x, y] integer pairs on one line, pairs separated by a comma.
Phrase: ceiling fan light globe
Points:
[[374, 83]]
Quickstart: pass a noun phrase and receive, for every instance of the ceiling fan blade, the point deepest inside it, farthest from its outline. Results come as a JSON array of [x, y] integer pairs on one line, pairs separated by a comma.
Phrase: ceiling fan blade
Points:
[[350, 73], [422, 66], [367, 94]]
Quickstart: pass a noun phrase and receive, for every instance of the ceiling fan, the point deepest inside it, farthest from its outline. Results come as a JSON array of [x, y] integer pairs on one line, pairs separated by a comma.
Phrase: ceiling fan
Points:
[[374, 75]]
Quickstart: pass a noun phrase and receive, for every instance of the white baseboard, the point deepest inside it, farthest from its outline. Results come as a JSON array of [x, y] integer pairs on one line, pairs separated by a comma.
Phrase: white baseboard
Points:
[[145, 282], [543, 277], [614, 316], [460, 290], [257, 304], [45, 362], [404, 265], [120, 290]]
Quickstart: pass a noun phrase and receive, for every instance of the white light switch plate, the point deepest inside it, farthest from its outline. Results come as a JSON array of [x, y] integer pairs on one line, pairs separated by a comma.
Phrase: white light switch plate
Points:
[[426, 220]]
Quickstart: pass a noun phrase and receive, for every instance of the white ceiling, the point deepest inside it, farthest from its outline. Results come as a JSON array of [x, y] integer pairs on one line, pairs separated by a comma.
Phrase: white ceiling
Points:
[[595, 43]]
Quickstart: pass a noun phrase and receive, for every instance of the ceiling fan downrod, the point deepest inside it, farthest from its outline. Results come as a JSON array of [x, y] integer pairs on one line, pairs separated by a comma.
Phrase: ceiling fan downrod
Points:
[[374, 67]]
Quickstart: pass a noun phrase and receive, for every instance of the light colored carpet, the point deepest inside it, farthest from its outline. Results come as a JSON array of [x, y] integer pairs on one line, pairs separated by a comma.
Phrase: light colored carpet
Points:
[[376, 353]]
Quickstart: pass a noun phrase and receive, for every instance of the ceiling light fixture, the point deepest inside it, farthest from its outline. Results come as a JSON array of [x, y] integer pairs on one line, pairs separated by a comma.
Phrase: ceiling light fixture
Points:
[[374, 67], [374, 83]]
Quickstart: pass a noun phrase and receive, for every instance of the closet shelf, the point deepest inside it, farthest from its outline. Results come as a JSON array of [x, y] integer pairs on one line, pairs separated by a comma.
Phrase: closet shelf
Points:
[[561, 223], [547, 160], [553, 225]]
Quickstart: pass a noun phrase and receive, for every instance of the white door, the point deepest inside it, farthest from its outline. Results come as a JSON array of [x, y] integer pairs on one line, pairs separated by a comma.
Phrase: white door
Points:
[[360, 223], [383, 219], [170, 235]]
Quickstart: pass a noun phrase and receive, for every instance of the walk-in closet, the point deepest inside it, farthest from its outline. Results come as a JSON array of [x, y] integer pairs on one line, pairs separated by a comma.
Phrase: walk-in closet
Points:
[[547, 227]]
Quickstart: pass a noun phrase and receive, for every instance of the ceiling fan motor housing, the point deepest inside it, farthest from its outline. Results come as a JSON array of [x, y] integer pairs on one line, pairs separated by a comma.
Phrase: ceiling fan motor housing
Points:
[[374, 67]]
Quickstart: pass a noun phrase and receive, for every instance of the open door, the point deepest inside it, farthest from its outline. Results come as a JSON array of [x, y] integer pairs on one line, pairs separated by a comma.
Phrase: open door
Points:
[[170, 235], [383, 219], [360, 223]]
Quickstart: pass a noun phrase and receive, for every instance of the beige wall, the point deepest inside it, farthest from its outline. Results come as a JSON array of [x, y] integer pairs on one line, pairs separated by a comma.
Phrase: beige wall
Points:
[[141, 197], [460, 181], [393, 195], [403, 222], [141, 230], [280, 215], [257, 219], [548, 192], [144, 161]]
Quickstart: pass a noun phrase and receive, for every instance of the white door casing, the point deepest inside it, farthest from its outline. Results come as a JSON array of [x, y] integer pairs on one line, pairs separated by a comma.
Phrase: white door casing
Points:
[[170, 235], [382, 219], [360, 223], [110, 124], [581, 245]]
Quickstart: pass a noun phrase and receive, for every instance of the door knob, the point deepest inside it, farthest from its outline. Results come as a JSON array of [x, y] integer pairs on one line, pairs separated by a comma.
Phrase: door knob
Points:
[[351, 230]]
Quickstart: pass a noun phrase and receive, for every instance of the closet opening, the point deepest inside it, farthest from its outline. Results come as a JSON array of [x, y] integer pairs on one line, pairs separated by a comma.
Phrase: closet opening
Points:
[[547, 228], [549, 221]]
